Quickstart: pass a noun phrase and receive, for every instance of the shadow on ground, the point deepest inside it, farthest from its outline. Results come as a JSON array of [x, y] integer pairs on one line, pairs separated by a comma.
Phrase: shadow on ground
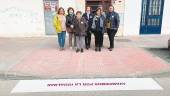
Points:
[[163, 53]]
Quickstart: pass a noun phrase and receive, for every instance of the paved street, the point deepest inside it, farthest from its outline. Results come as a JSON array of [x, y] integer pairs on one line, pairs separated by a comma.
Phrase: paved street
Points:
[[39, 58]]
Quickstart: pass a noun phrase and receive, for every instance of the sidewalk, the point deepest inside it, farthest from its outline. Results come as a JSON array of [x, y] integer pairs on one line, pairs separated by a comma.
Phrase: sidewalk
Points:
[[40, 57]]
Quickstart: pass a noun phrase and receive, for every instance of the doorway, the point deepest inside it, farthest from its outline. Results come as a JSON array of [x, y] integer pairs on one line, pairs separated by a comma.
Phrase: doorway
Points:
[[94, 4], [151, 17]]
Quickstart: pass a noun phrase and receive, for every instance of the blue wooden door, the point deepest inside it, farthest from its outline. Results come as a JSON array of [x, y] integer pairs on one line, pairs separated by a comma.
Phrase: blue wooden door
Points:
[[151, 17]]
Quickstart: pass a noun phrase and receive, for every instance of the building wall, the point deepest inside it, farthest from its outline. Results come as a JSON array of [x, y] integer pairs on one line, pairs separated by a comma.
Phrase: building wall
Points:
[[21, 18], [166, 18], [25, 18], [132, 17], [78, 5], [119, 6]]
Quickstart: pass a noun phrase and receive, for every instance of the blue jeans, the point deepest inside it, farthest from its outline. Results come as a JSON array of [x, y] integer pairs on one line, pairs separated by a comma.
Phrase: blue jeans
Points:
[[61, 38]]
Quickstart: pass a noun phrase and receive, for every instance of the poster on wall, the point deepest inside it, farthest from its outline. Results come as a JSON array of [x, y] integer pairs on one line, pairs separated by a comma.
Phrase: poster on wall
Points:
[[50, 5], [49, 13]]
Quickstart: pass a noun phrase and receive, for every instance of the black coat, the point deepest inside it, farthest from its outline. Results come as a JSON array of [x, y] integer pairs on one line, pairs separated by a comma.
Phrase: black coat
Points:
[[114, 20], [89, 20], [70, 20]]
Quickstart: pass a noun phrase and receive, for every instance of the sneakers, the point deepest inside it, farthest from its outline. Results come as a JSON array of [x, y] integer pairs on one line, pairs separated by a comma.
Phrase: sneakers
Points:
[[61, 49], [71, 48]]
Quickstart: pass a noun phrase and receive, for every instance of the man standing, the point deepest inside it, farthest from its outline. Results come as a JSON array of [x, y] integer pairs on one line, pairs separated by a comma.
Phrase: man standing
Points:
[[112, 24], [88, 15]]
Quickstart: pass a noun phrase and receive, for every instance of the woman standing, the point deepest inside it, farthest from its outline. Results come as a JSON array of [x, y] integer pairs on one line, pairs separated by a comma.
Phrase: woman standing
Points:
[[104, 15], [70, 26], [98, 27], [60, 26], [80, 26]]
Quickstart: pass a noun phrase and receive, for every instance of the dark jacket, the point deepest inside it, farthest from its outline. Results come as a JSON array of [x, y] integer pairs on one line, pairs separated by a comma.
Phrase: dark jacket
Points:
[[69, 22], [89, 20], [80, 27], [112, 20], [98, 23]]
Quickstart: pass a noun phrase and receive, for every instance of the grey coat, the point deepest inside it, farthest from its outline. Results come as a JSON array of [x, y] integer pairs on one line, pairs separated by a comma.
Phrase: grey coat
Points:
[[80, 27]]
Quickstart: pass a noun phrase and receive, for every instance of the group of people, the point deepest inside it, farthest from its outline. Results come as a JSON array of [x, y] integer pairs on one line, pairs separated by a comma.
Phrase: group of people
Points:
[[80, 26]]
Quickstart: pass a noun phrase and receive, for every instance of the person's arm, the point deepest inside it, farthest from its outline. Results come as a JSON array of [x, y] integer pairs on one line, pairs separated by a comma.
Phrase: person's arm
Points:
[[105, 21], [104, 15], [74, 23], [67, 22], [117, 20], [84, 15], [86, 24], [93, 24]]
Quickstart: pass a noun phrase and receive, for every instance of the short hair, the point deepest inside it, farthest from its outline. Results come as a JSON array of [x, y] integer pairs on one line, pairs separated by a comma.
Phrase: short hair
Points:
[[98, 9], [89, 7], [78, 12], [70, 8], [111, 6], [61, 8]]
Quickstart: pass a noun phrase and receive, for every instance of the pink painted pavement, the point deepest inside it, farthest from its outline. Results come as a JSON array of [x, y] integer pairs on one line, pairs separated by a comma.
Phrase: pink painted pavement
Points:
[[121, 61]]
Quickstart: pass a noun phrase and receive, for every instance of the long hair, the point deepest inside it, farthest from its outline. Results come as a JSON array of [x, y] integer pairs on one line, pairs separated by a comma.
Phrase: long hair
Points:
[[61, 8]]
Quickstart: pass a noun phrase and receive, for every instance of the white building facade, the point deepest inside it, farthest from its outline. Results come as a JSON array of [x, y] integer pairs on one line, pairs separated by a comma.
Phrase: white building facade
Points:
[[32, 18]]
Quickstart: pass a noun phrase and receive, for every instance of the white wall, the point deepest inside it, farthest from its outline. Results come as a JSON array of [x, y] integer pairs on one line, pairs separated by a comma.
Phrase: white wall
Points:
[[166, 18], [21, 18], [78, 5], [25, 18], [132, 17]]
